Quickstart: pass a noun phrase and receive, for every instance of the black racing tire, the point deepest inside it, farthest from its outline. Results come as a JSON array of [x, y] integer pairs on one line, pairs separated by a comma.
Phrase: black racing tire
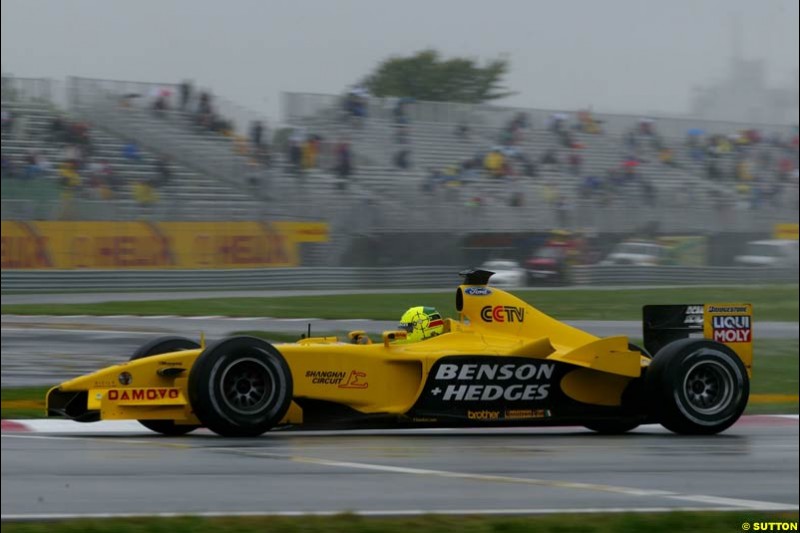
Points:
[[240, 387], [697, 387], [157, 347], [621, 425]]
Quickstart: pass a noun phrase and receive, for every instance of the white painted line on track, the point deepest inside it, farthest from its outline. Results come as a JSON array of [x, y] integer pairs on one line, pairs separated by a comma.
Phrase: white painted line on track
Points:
[[556, 484], [370, 513], [733, 502], [56, 425]]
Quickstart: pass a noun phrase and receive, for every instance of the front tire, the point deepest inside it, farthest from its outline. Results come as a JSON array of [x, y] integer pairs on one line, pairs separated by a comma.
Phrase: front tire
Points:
[[160, 346], [240, 387], [697, 387]]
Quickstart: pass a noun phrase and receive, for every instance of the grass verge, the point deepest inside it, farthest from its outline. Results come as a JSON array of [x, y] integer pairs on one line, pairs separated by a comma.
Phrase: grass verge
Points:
[[778, 303], [776, 371], [673, 522]]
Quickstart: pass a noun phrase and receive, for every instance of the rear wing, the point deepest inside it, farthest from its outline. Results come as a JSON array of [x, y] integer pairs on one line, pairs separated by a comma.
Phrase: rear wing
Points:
[[730, 324]]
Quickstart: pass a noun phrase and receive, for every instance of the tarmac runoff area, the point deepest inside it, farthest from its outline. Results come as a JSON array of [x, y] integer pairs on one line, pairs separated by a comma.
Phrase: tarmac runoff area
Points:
[[57, 469]]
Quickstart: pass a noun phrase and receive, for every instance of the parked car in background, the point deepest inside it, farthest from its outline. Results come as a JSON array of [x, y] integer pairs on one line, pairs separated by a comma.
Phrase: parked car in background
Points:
[[770, 253], [506, 273], [549, 264], [637, 253]]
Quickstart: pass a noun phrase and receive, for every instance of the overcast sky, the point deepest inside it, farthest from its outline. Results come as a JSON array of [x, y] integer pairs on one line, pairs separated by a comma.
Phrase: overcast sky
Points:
[[616, 55]]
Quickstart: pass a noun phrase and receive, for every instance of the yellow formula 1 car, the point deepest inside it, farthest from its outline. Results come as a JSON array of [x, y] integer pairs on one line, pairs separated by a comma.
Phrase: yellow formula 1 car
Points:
[[502, 363]]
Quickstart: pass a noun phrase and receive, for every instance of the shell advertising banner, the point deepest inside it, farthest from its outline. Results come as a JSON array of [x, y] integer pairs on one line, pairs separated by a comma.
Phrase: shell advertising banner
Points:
[[138, 245]]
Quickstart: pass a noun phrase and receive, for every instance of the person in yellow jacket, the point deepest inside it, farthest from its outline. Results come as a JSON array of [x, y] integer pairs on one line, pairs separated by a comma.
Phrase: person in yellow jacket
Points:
[[493, 163]]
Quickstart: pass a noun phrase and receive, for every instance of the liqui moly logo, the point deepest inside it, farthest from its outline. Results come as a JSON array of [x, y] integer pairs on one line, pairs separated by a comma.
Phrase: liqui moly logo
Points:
[[731, 328]]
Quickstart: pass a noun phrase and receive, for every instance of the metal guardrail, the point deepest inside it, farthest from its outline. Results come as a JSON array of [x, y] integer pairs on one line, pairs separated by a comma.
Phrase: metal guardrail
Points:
[[44, 281], [274, 278], [680, 275]]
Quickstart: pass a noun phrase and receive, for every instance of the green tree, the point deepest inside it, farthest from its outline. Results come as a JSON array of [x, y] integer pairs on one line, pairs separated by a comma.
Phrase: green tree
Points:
[[426, 76]]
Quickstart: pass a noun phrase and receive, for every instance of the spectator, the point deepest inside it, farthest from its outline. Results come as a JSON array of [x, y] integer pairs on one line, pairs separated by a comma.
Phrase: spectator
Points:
[[550, 157], [185, 94], [344, 163], [402, 159], [130, 151], [256, 133], [713, 171], [517, 198], [58, 130], [160, 105], [528, 167], [647, 127], [70, 182], [144, 192], [432, 180], [575, 163], [590, 187], [587, 123], [400, 111], [493, 163], [311, 151], [31, 165], [163, 172], [9, 169], [667, 157], [631, 141], [557, 123], [296, 156], [463, 131], [629, 167], [356, 104], [8, 122], [469, 171], [648, 193]]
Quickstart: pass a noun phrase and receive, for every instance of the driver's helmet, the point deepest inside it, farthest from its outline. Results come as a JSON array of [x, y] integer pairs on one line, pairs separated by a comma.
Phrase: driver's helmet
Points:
[[421, 323]]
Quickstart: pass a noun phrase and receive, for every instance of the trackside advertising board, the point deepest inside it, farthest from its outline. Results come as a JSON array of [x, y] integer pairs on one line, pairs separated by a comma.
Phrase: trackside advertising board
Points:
[[142, 245]]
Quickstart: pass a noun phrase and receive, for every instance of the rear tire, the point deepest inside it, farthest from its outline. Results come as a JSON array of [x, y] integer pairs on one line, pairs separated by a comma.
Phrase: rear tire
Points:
[[697, 387], [240, 387], [160, 346]]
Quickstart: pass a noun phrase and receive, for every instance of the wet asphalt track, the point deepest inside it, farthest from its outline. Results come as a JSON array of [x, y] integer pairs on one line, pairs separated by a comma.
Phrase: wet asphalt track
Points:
[[754, 465]]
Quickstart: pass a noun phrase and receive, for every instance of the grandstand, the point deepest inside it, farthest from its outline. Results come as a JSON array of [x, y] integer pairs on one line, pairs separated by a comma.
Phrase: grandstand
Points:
[[218, 176]]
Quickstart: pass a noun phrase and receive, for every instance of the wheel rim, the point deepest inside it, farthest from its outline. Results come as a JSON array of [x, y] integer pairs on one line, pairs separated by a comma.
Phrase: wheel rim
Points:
[[247, 386], [708, 387]]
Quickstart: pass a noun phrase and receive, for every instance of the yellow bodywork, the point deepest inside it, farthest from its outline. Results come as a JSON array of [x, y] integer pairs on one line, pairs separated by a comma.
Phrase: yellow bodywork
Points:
[[379, 376]]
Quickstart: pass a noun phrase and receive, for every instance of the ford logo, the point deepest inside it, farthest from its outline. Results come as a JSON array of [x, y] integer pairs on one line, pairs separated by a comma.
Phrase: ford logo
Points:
[[478, 291]]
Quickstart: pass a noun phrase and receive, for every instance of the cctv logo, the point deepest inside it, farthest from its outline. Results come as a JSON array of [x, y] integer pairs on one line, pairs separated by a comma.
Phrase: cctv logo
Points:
[[502, 313]]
